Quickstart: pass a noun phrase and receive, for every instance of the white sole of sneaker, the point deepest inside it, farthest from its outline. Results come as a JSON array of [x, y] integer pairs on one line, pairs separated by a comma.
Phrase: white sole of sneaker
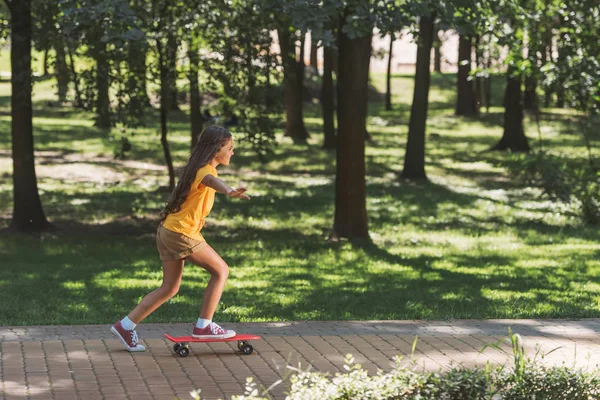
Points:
[[114, 332], [214, 336]]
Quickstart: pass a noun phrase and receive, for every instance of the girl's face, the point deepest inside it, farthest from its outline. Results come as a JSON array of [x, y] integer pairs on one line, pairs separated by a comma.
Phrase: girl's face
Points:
[[225, 154]]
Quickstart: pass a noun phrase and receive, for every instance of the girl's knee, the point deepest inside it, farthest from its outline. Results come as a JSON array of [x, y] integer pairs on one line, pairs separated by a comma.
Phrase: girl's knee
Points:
[[221, 271], [169, 291]]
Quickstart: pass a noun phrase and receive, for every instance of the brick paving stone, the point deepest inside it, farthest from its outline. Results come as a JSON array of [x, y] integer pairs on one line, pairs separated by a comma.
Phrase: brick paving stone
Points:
[[86, 362]]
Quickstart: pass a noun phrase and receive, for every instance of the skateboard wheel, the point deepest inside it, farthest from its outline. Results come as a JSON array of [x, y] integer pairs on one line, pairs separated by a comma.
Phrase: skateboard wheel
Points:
[[176, 347], [247, 349], [241, 344], [183, 351]]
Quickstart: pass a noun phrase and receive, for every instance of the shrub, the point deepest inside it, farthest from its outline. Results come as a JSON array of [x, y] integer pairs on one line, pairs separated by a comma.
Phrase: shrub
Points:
[[577, 186], [526, 380]]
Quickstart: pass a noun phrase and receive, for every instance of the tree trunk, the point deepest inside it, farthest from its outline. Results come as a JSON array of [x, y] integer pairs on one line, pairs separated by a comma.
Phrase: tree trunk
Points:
[[560, 89], [478, 81], [414, 159], [164, 109], [437, 51], [136, 80], [529, 98], [548, 90], [46, 51], [514, 135], [313, 56], [388, 87], [102, 86], [172, 47], [62, 69], [327, 100], [195, 98], [350, 186], [487, 84], [28, 214], [292, 88], [465, 98], [78, 98]]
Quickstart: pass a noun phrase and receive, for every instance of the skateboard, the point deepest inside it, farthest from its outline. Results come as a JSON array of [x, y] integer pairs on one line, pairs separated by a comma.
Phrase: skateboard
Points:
[[182, 347]]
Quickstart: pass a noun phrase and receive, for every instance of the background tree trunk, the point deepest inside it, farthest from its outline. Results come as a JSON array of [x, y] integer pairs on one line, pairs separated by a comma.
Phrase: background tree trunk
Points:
[[465, 93], [28, 215], [136, 81], [195, 98], [437, 51], [478, 81], [313, 56], [102, 86], [164, 109], [414, 159], [514, 135], [388, 86], [62, 69], [78, 98], [545, 59], [45, 62], [529, 97], [487, 84], [350, 186], [292, 89], [172, 47], [560, 89], [327, 100]]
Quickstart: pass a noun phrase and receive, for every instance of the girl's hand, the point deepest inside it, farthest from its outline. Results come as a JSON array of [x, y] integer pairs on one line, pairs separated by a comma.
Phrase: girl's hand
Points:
[[238, 193]]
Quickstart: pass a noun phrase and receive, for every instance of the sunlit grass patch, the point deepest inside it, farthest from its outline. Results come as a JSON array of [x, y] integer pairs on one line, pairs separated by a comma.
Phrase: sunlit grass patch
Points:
[[469, 243]]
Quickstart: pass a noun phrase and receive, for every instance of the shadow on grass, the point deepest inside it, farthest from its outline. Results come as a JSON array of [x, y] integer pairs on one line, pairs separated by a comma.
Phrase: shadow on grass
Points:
[[98, 281]]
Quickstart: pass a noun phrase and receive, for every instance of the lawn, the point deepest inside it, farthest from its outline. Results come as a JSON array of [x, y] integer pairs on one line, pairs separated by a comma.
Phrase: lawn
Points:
[[470, 243]]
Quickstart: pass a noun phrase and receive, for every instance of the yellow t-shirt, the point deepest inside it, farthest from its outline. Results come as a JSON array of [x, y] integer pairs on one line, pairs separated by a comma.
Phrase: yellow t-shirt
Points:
[[189, 220]]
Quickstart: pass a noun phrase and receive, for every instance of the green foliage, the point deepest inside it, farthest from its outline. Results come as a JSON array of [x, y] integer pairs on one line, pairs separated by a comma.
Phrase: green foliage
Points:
[[527, 379], [560, 181], [577, 69], [241, 69], [103, 29]]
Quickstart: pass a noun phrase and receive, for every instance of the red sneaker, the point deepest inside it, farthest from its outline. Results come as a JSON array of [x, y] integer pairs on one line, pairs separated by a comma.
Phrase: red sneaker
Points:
[[212, 331], [129, 339]]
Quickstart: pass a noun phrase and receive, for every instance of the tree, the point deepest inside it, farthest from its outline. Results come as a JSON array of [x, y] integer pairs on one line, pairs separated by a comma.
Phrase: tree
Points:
[[28, 214], [437, 50], [513, 137], [465, 92], [414, 159], [293, 78], [388, 79], [196, 122], [104, 27], [354, 32], [314, 47], [350, 186], [327, 99], [236, 38], [579, 67]]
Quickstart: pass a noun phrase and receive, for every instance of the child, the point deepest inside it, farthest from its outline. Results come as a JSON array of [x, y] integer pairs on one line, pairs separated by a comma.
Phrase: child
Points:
[[178, 238]]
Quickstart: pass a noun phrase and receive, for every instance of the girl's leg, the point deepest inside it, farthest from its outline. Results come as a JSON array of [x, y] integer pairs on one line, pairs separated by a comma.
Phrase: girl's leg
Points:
[[172, 271], [208, 259]]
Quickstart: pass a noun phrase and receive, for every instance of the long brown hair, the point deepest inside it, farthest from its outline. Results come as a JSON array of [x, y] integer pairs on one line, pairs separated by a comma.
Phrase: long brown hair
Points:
[[210, 142]]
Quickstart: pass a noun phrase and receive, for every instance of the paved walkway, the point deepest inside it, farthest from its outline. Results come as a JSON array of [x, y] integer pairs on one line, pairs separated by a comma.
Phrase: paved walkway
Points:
[[86, 362]]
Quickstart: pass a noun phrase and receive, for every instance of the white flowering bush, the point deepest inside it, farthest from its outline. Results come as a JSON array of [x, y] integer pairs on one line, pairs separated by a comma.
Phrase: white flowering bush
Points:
[[526, 380]]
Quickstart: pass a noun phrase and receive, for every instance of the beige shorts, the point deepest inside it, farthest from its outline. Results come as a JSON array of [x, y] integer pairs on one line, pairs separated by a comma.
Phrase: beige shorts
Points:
[[175, 246]]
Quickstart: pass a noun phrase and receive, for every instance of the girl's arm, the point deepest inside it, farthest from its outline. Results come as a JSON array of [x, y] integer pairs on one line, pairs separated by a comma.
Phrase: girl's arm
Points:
[[221, 187]]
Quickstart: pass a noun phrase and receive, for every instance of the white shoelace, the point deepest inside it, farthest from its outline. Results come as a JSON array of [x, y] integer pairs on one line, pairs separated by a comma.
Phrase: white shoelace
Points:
[[214, 328], [134, 338]]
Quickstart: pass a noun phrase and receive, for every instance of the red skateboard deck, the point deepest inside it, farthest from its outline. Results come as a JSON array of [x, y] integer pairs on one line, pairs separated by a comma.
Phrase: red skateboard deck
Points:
[[182, 347]]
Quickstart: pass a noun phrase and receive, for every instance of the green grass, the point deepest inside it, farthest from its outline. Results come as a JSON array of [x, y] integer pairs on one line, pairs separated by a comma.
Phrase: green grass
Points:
[[470, 243]]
